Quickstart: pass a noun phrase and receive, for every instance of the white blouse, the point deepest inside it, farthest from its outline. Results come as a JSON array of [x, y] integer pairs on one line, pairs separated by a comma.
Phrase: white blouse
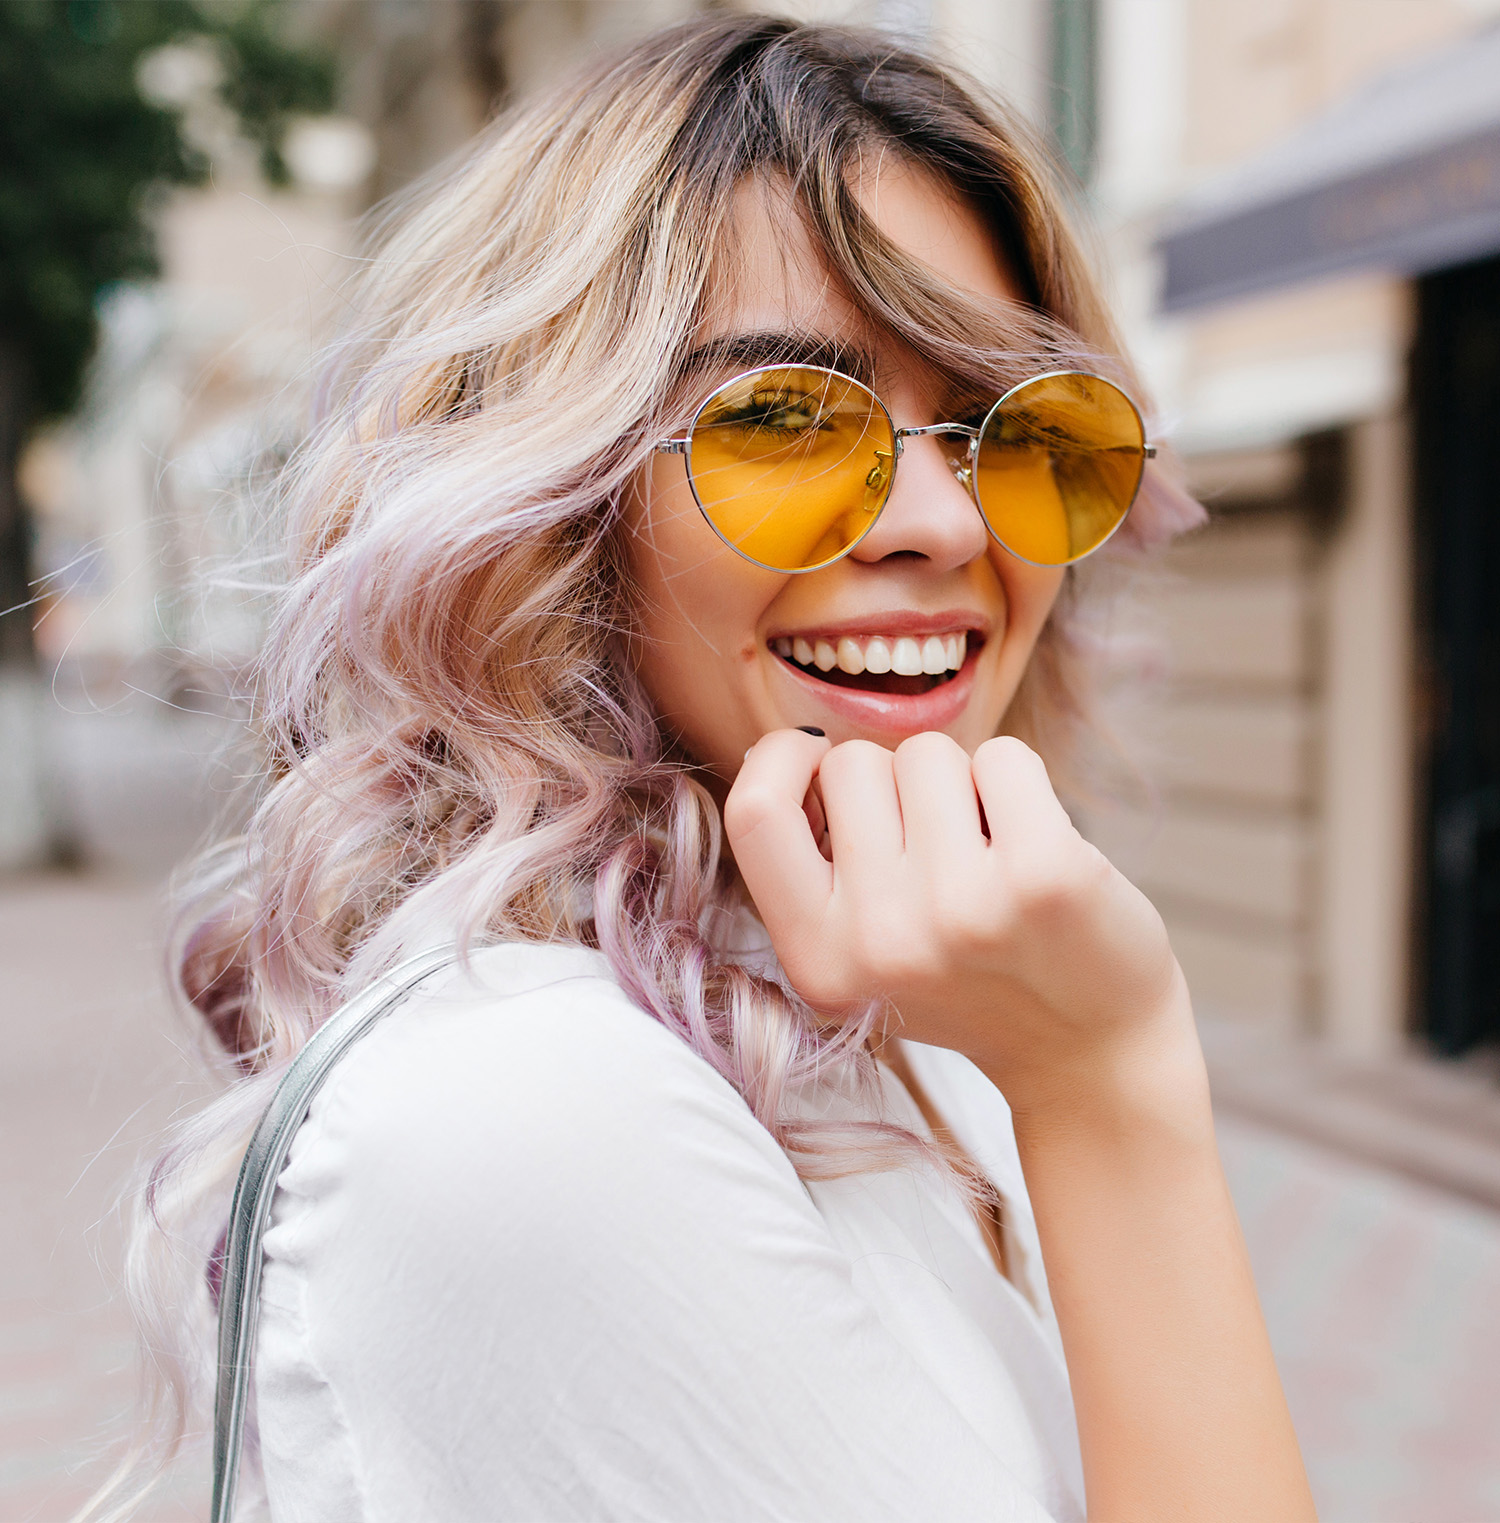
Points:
[[533, 1260]]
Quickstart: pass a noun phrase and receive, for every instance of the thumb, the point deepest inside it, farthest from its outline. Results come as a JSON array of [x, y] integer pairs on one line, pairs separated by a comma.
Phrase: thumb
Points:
[[771, 835]]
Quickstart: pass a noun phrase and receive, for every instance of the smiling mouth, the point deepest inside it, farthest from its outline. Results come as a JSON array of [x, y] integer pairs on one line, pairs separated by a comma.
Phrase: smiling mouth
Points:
[[905, 667]]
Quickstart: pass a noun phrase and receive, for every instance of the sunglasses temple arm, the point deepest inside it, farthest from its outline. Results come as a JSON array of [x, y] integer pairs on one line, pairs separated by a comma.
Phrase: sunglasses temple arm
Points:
[[671, 446]]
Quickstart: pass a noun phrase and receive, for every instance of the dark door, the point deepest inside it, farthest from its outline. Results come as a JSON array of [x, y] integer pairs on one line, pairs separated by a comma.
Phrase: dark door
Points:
[[1456, 395]]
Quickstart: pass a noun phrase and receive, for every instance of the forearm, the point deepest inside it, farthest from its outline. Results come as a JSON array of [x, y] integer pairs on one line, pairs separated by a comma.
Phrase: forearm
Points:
[[1180, 1409]]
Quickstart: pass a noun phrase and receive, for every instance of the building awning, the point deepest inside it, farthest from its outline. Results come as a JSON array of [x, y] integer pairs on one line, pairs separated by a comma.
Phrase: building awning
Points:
[[1403, 175]]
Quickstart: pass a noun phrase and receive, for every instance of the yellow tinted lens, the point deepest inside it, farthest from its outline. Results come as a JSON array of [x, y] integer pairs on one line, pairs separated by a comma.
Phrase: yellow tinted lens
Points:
[[1060, 462], [792, 465]]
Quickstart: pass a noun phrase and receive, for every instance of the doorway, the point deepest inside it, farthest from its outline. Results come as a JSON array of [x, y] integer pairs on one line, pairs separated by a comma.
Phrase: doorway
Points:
[[1456, 396]]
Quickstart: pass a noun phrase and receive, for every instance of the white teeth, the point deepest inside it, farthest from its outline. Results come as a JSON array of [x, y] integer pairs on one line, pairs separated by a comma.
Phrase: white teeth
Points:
[[851, 657], [877, 656], [906, 658]]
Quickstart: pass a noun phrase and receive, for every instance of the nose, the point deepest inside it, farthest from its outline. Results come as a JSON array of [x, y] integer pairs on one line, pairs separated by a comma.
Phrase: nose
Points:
[[929, 513]]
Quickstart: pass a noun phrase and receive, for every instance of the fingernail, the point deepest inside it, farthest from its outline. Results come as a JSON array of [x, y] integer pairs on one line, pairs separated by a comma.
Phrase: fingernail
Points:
[[812, 729]]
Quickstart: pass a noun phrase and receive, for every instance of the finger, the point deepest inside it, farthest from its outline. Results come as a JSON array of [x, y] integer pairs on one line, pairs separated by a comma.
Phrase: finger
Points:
[[1019, 803], [864, 812], [770, 835], [817, 819], [939, 804]]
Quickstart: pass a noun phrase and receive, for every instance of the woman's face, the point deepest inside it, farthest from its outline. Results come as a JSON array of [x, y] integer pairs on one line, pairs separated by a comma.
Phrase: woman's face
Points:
[[720, 638]]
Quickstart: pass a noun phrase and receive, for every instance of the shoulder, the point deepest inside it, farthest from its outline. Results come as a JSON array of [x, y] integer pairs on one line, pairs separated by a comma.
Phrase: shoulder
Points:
[[519, 1011], [525, 1078], [520, 1154]]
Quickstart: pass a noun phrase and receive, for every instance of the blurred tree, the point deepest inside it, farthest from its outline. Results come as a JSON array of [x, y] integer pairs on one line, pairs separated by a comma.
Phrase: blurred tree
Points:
[[84, 141]]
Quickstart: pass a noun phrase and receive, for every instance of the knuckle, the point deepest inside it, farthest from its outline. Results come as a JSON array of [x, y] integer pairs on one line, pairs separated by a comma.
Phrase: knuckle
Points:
[[855, 755], [747, 808], [928, 745], [1013, 746], [1060, 884], [865, 748], [1007, 753]]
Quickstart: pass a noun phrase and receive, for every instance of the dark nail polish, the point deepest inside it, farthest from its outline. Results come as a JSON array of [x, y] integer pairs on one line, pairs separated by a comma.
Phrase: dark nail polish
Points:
[[812, 729]]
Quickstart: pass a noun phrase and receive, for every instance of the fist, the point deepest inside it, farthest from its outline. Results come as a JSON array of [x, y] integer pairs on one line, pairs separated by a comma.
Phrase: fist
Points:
[[958, 891]]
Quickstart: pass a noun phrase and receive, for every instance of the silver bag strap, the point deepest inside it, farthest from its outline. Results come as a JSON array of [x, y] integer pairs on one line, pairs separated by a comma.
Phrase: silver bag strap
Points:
[[239, 1294]]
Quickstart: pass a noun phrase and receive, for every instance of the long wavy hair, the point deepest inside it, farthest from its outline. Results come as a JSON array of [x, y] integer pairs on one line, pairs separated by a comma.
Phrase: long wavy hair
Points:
[[456, 745]]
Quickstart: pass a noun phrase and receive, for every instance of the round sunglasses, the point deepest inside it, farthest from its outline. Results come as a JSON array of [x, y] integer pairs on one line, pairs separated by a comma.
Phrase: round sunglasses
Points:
[[792, 464]]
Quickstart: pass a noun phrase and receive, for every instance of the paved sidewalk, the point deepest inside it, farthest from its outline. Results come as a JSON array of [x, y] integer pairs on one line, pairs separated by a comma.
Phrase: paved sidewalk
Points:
[[92, 1068], [1383, 1295], [1383, 1301]]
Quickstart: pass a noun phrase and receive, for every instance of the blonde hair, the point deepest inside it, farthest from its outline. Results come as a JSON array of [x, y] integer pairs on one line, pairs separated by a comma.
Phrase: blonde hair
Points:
[[458, 745]]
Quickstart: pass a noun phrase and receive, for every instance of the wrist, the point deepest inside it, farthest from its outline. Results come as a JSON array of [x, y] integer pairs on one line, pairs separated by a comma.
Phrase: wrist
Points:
[[1146, 1074]]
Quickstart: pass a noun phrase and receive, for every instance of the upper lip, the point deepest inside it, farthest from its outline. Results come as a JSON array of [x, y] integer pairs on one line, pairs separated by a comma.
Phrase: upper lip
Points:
[[891, 625]]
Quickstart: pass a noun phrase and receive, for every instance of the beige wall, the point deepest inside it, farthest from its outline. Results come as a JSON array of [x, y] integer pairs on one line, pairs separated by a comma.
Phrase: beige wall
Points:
[[1189, 88], [1227, 852], [1257, 71], [1282, 855], [1269, 366], [1280, 851], [1366, 764]]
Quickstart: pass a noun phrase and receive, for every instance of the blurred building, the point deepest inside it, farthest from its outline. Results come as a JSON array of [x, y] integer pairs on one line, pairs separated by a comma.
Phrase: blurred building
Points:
[[147, 609], [1297, 207], [1319, 247]]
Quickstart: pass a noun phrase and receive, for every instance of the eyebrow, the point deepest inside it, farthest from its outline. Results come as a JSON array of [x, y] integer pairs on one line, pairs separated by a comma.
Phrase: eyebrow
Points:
[[747, 351]]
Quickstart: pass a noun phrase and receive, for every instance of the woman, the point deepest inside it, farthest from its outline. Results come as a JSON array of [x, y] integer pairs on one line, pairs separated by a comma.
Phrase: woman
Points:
[[712, 443]]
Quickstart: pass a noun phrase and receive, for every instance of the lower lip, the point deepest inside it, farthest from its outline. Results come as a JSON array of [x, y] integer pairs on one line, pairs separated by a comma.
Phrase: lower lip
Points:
[[888, 712]]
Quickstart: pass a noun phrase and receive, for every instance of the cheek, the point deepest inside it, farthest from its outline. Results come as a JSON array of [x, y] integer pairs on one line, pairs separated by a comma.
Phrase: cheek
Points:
[[698, 601], [662, 541], [1029, 593]]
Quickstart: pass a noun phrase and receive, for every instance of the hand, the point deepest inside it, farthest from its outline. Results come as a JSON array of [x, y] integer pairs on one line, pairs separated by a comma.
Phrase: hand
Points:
[[960, 891]]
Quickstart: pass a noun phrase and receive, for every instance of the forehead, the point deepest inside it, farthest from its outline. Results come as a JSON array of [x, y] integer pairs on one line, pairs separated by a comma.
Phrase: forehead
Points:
[[769, 276], [930, 222]]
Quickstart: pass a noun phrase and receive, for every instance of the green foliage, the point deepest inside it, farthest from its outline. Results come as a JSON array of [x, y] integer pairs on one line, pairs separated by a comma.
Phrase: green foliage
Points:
[[81, 151], [266, 83]]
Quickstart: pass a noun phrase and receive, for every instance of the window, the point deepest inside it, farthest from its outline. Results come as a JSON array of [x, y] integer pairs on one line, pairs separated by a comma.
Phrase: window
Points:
[[1074, 104]]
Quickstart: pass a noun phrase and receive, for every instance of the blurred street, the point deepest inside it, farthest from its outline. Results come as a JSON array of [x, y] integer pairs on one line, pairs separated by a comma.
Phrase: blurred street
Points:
[[1383, 1295], [1383, 1300], [95, 1064], [94, 1067]]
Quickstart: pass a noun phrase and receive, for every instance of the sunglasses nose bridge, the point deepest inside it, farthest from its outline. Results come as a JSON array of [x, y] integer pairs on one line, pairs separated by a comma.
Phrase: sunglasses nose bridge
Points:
[[963, 430], [963, 469], [923, 516]]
